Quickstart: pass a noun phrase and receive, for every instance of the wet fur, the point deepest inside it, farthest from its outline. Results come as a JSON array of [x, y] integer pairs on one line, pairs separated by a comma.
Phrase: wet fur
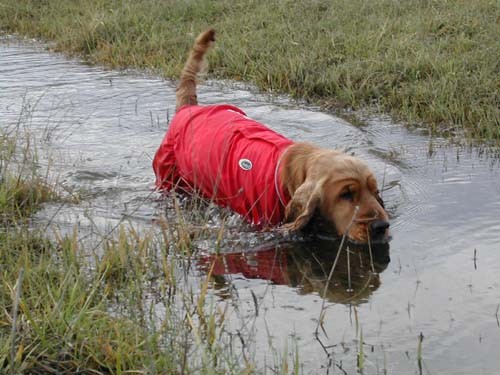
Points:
[[338, 187]]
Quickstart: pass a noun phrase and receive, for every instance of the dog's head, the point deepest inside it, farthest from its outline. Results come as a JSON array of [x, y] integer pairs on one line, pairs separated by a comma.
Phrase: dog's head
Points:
[[338, 187]]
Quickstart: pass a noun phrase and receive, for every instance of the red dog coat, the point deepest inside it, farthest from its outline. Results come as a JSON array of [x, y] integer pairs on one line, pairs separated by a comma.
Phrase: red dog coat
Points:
[[227, 157]]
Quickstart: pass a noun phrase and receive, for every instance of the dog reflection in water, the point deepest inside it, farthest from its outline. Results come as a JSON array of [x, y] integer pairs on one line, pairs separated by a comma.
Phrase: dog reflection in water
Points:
[[306, 266]]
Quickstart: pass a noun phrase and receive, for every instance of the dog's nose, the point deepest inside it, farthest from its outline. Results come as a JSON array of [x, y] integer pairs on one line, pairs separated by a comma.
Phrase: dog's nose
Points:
[[378, 228]]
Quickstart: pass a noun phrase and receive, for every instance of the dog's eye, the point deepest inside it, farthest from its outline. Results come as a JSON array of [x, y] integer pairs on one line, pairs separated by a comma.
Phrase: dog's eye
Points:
[[347, 195]]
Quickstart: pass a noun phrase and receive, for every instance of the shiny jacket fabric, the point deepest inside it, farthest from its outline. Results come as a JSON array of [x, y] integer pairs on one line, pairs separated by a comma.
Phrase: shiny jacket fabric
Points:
[[227, 157]]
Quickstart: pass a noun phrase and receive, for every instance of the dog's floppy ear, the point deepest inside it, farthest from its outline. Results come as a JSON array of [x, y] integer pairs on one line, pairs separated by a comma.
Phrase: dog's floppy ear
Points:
[[303, 204]]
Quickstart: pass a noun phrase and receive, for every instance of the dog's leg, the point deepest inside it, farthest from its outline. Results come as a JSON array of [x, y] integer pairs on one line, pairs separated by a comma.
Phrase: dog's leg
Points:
[[186, 91]]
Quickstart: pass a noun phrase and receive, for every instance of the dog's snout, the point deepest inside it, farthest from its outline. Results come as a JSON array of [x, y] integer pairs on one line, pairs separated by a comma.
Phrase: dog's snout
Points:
[[378, 228]]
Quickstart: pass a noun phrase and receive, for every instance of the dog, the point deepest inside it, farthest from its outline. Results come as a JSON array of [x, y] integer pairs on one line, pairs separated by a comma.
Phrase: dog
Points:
[[267, 178]]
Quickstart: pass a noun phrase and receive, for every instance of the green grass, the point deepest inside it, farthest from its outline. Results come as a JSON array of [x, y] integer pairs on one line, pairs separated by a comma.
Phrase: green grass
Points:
[[73, 317], [430, 63], [22, 190], [77, 316]]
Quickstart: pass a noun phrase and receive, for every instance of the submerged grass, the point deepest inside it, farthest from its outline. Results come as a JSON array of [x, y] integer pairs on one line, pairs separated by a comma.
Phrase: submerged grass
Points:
[[432, 62]]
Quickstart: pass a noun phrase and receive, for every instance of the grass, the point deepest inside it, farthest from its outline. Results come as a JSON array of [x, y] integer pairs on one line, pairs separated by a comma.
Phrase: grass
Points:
[[97, 320], [75, 319], [430, 63], [22, 190]]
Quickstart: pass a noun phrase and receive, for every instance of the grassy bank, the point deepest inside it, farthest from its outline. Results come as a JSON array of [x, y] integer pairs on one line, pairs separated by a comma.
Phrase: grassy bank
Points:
[[430, 62]]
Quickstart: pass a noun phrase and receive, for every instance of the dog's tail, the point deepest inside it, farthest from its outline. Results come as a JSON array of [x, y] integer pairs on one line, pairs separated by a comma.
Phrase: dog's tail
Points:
[[186, 91]]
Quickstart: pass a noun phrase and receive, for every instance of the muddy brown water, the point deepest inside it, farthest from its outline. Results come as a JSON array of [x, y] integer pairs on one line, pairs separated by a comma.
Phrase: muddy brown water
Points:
[[97, 130]]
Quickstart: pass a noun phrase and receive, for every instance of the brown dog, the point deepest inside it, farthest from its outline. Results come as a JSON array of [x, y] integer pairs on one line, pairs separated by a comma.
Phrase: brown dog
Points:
[[237, 162]]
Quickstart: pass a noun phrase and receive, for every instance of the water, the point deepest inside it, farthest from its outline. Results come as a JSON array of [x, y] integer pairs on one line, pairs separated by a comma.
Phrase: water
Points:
[[97, 130]]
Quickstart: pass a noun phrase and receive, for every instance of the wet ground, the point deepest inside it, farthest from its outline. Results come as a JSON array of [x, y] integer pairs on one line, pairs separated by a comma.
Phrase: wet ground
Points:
[[97, 130]]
